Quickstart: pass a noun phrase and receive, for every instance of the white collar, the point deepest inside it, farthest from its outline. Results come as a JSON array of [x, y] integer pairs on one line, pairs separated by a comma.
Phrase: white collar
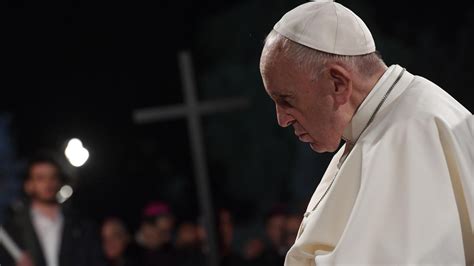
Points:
[[39, 216], [360, 119]]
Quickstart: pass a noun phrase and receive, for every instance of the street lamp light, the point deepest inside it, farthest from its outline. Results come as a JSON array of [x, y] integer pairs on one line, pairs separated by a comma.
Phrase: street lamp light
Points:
[[75, 152]]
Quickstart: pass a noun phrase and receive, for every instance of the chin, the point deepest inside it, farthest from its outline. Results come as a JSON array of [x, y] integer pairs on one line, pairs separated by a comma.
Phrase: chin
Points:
[[316, 148], [321, 149], [48, 200]]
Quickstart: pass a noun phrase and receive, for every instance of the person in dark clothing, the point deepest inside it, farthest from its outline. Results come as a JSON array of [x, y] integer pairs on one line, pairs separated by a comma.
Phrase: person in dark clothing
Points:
[[117, 245], [275, 250], [155, 234], [225, 227], [188, 245], [48, 233], [253, 253]]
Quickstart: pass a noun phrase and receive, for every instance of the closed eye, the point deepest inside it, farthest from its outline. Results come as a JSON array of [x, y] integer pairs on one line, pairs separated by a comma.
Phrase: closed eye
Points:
[[283, 99], [283, 103]]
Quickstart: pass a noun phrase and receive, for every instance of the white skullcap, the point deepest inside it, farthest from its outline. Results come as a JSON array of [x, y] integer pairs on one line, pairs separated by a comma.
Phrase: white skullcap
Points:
[[327, 26]]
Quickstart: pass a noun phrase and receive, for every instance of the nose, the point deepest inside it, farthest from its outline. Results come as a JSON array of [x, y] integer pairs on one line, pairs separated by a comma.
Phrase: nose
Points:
[[283, 118]]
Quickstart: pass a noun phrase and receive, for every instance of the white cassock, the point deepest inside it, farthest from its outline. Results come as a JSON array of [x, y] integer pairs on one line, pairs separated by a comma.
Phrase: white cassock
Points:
[[405, 193]]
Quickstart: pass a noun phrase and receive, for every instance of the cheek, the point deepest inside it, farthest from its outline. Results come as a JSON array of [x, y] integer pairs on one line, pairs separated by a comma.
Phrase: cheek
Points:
[[320, 123], [314, 119]]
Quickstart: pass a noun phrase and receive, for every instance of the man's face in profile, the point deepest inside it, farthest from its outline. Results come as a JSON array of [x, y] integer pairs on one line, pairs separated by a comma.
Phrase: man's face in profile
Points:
[[303, 102]]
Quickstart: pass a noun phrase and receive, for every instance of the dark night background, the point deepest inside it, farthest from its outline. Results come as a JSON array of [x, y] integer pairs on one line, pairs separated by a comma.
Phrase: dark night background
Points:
[[80, 68]]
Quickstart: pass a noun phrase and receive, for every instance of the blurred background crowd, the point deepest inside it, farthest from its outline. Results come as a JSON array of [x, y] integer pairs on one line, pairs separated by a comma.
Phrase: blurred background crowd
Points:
[[50, 232]]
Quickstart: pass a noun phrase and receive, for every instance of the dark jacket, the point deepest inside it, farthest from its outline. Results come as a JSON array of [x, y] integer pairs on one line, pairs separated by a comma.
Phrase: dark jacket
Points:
[[80, 242]]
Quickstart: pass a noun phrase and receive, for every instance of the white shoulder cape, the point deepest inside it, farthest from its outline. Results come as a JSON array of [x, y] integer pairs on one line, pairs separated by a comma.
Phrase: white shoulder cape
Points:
[[405, 193]]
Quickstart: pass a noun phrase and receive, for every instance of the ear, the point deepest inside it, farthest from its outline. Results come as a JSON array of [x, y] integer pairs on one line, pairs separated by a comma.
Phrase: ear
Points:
[[341, 84]]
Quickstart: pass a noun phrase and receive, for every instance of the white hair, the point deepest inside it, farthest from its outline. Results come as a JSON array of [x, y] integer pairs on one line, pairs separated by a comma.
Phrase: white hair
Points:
[[314, 60]]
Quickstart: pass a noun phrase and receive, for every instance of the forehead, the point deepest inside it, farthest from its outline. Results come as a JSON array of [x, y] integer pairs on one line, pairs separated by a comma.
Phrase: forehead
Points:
[[113, 226], [43, 168], [280, 77]]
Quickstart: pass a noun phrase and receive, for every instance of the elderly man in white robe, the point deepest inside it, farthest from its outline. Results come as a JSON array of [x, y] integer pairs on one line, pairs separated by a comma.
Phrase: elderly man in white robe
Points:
[[401, 189]]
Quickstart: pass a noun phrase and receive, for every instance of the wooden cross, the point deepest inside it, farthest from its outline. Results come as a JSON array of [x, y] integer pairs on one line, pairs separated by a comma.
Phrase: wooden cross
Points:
[[192, 109]]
